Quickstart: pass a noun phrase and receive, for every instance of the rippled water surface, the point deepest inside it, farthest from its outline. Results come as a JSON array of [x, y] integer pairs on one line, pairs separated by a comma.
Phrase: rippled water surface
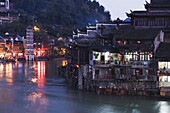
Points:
[[35, 87]]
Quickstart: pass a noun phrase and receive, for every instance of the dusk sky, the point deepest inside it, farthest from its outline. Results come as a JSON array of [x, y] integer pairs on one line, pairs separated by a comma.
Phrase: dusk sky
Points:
[[118, 8]]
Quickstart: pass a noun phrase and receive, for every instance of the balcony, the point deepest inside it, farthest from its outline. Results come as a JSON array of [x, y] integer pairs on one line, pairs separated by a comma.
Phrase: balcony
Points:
[[104, 77], [164, 84], [140, 64], [111, 64]]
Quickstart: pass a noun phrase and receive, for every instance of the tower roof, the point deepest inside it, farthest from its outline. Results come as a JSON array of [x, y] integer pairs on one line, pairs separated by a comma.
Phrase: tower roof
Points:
[[160, 2], [29, 27], [2, 0]]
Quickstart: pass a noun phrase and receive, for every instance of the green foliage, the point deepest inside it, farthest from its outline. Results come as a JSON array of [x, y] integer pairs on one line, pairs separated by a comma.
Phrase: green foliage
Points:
[[14, 27], [60, 16]]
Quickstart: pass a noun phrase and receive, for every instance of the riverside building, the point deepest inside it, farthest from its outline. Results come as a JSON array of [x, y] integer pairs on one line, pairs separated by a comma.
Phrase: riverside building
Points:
[[125, 57]]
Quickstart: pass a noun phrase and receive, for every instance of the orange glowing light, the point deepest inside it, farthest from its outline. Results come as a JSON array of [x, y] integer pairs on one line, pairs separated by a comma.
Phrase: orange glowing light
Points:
[[34, 80], [64, 63], [36, 29], [37, 96], [9, 73], [41, 74], [76, 66]]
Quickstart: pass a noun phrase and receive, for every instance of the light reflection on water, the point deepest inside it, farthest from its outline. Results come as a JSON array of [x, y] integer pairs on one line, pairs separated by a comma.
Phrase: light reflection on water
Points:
[[164, 107], [6, 72], [24, 88], [34, 72], [38, 99], [39, 74]]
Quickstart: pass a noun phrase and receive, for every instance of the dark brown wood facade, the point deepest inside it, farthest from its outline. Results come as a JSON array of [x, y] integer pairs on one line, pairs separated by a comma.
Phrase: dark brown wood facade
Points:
[[156, 15]]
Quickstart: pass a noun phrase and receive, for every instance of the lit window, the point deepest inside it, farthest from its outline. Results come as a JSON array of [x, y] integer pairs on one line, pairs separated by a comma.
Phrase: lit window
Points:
[[138, 42], [16, 38], [2, 3], [119, 42]]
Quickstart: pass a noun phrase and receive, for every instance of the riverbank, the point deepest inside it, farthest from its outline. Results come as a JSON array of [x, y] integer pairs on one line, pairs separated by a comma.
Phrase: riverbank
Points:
[[120, 87], [154, 94]]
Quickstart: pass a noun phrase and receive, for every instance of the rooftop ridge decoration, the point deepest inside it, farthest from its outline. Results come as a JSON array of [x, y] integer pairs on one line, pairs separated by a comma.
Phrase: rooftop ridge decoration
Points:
[[160, 2]]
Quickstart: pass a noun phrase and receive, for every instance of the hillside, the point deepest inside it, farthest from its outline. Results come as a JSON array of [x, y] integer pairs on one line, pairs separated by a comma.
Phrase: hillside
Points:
[[60, 16]]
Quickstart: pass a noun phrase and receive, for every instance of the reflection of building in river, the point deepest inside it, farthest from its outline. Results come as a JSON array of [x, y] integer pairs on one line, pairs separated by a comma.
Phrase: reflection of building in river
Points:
[[38, 98], [7, 72], [40, 73]]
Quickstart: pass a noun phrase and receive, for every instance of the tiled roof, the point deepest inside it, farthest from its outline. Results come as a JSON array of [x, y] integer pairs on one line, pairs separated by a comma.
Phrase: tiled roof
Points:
[[15, 37], [137, 33], [144, 13], [163, 50], [160, 2]]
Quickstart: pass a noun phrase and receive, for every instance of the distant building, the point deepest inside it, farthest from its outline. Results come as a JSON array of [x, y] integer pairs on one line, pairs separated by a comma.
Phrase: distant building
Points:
[[7, 14], [29, 44], [2, 47], [15, 45], [4, 5]]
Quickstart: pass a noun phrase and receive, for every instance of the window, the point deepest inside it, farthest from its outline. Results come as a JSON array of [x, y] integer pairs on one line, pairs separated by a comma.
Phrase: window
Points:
[[142, 56], [138, 41], [141, 22], [2, 3]]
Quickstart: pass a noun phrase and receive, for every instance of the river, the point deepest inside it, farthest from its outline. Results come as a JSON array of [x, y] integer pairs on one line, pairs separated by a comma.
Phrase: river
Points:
[[35, 87]]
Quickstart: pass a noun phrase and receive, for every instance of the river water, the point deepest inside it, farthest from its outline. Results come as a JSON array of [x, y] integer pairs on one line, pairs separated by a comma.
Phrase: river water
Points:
[[35, 87]]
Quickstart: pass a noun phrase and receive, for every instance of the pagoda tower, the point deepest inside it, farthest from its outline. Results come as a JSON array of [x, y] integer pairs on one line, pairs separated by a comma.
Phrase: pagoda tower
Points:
[[29, 44]]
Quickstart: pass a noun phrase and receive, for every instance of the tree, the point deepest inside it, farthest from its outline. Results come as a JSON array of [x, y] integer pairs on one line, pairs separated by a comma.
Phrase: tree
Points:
[[68, 14]]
